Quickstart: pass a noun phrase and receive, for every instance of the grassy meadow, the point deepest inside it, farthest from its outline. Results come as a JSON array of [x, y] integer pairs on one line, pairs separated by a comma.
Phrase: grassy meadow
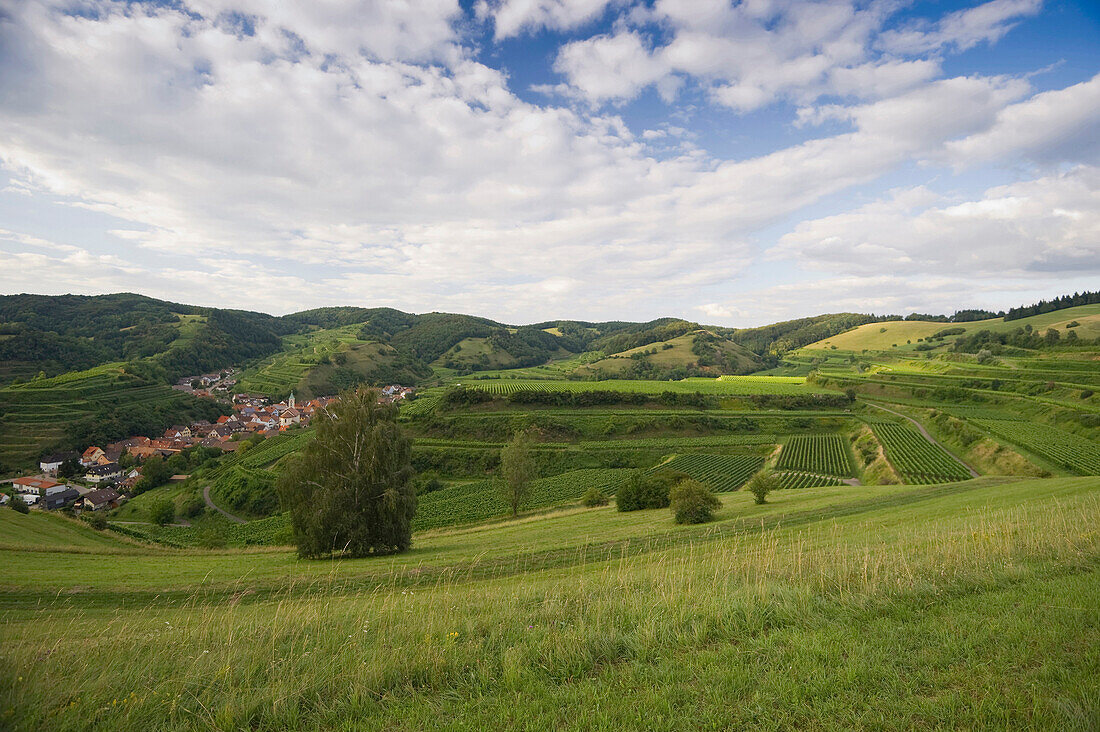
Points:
[[969, 605]]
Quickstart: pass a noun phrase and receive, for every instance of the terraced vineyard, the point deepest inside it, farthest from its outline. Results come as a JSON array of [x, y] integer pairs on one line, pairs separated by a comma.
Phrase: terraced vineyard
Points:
[[915, 458], [826, 454], [806, 480], [722, 386], [480, 500], [721, 472], [36, 414], [281, 373], [1062, 448]]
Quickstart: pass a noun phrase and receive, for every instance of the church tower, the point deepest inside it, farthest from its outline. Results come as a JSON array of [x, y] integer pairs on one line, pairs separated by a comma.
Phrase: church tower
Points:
[[290, 402]]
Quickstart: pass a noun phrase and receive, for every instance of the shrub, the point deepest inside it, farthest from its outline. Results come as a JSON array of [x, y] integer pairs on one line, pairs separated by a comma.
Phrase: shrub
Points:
[[162, 512], [594, 497], [193, 508], [761, 484], [1086, 393], [96, 520], [692, 502], [18, 504], [646, 490], [211, 538]]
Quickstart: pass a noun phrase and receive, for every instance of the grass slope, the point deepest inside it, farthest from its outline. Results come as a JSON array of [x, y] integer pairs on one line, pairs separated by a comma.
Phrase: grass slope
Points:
[[883, 336], [895, 608]]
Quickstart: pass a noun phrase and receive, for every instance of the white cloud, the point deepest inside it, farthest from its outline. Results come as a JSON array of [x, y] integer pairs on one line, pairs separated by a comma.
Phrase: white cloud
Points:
[[1047, 225], [1057, 125], [249, 168], [961, 29], [514, 17]]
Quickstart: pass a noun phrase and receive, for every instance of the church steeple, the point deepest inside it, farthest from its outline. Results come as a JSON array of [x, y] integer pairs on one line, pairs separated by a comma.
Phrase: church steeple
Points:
[[290, 402]]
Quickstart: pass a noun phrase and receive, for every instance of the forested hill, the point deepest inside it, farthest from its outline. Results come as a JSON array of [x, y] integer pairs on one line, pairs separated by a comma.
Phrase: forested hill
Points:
[[57, 334]]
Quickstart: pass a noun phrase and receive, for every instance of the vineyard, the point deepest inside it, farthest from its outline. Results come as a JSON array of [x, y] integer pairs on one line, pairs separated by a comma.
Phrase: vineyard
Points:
[[721, 472], [915, 458], [722, 386], [479, 500], [806, 480], [826, 454], [1065, 449]]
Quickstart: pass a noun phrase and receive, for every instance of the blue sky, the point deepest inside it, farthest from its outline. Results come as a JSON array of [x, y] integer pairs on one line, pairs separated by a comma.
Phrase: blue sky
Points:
[[733, 163]]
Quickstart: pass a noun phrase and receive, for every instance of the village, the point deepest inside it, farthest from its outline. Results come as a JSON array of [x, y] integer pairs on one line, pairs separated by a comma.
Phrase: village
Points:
[[103, 477]]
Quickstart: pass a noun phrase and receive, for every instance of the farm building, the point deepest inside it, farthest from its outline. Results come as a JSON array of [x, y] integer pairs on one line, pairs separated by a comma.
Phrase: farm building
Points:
[[36, 486], [61, 498]]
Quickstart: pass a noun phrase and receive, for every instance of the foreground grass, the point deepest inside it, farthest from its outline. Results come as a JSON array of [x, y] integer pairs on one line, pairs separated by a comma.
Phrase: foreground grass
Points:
[[970, 607]]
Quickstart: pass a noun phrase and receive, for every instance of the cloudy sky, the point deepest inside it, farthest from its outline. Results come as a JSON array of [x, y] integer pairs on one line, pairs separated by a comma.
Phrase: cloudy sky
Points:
[[729, 162]]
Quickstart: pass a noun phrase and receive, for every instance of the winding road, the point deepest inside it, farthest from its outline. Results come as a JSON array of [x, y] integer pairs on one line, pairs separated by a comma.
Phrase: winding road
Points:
[[223, 512], [973, 473]]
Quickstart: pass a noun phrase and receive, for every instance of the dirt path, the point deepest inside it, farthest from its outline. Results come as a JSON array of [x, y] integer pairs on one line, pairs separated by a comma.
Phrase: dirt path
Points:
[[231, 517], [973, 473]]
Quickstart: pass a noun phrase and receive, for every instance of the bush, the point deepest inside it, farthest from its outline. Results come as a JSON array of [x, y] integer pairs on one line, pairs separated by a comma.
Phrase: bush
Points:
[[646, 490], [594, 497], [693, 503], [193, 508], [18, 504], [211, 538], [162, 512], [1086, 393], [96, 520], [761, 484]]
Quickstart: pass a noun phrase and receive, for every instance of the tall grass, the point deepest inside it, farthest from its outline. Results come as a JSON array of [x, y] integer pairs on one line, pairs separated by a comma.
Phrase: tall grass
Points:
[[607, 633]]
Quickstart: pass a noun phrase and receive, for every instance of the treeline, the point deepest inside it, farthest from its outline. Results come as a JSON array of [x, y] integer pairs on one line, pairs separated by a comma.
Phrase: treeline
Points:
[[1058, 303], [1025, 338], [226, 338], [960, 316]]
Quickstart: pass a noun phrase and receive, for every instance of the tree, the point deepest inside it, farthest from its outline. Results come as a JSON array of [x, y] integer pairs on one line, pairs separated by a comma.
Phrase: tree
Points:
[[162, 512], [154, 472], [18, 504], [642, 490], [761, 484], [350, 490], [692, 502], [69, 469], [517, 468], [594, 497]]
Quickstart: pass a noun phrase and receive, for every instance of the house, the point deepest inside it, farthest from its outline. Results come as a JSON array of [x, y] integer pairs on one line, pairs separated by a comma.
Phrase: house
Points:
[[177, 432], [37, 486], [51, 463], [90, 456], [289, 417], [61, 498], [100, 499], [108, 473]]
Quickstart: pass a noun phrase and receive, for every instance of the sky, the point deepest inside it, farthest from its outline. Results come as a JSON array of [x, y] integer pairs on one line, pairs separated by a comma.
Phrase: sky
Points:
[[731, 163]]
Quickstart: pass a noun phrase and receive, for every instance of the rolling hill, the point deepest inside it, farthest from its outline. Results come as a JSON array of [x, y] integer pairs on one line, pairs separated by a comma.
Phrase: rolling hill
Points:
[[907, 335]]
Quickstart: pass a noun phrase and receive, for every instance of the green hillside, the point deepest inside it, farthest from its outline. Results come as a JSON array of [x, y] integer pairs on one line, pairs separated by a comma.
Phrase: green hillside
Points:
[[697, 353], [895, 608], [907, 335], [80, 408]]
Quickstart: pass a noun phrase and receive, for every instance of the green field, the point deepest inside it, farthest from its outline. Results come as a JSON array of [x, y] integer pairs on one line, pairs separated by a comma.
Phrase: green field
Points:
[[963, 606]]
